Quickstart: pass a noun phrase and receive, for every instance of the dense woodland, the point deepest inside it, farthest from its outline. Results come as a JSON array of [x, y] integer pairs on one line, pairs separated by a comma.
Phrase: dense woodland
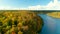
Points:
[[20, 22]]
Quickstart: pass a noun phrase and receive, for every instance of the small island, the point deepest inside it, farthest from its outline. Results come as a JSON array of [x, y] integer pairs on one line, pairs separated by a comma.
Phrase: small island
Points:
[[54, 14]]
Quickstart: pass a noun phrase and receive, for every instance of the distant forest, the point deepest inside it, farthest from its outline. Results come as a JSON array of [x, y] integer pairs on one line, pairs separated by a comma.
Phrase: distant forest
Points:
[[36, 11]]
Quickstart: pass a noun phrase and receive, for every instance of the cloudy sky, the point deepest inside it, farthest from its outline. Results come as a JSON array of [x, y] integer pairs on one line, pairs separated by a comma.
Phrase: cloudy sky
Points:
[[29, 4]]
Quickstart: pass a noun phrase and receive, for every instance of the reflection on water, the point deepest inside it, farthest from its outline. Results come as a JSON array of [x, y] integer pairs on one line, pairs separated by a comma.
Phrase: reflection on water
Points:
[[51, 25]]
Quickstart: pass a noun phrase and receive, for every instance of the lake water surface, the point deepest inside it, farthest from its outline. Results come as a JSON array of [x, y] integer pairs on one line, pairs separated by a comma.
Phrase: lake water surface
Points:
[[51, 25]]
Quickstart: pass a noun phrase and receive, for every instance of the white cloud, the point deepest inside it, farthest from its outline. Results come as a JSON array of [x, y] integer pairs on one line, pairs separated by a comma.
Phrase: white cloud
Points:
[[50, 6]]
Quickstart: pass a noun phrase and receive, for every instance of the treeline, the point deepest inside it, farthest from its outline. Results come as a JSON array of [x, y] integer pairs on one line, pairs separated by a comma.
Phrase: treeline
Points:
[[36, 11]]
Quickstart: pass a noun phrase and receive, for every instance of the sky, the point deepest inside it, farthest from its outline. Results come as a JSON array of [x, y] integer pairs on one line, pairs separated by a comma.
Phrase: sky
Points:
[[29, 4]]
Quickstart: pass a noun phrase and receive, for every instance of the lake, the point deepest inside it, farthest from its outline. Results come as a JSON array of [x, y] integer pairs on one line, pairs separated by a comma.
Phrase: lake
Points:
[[51, 25]]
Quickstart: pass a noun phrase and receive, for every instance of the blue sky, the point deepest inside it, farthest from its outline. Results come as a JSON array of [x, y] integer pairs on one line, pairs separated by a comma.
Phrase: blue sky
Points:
[[30, 4], [23, 3]]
